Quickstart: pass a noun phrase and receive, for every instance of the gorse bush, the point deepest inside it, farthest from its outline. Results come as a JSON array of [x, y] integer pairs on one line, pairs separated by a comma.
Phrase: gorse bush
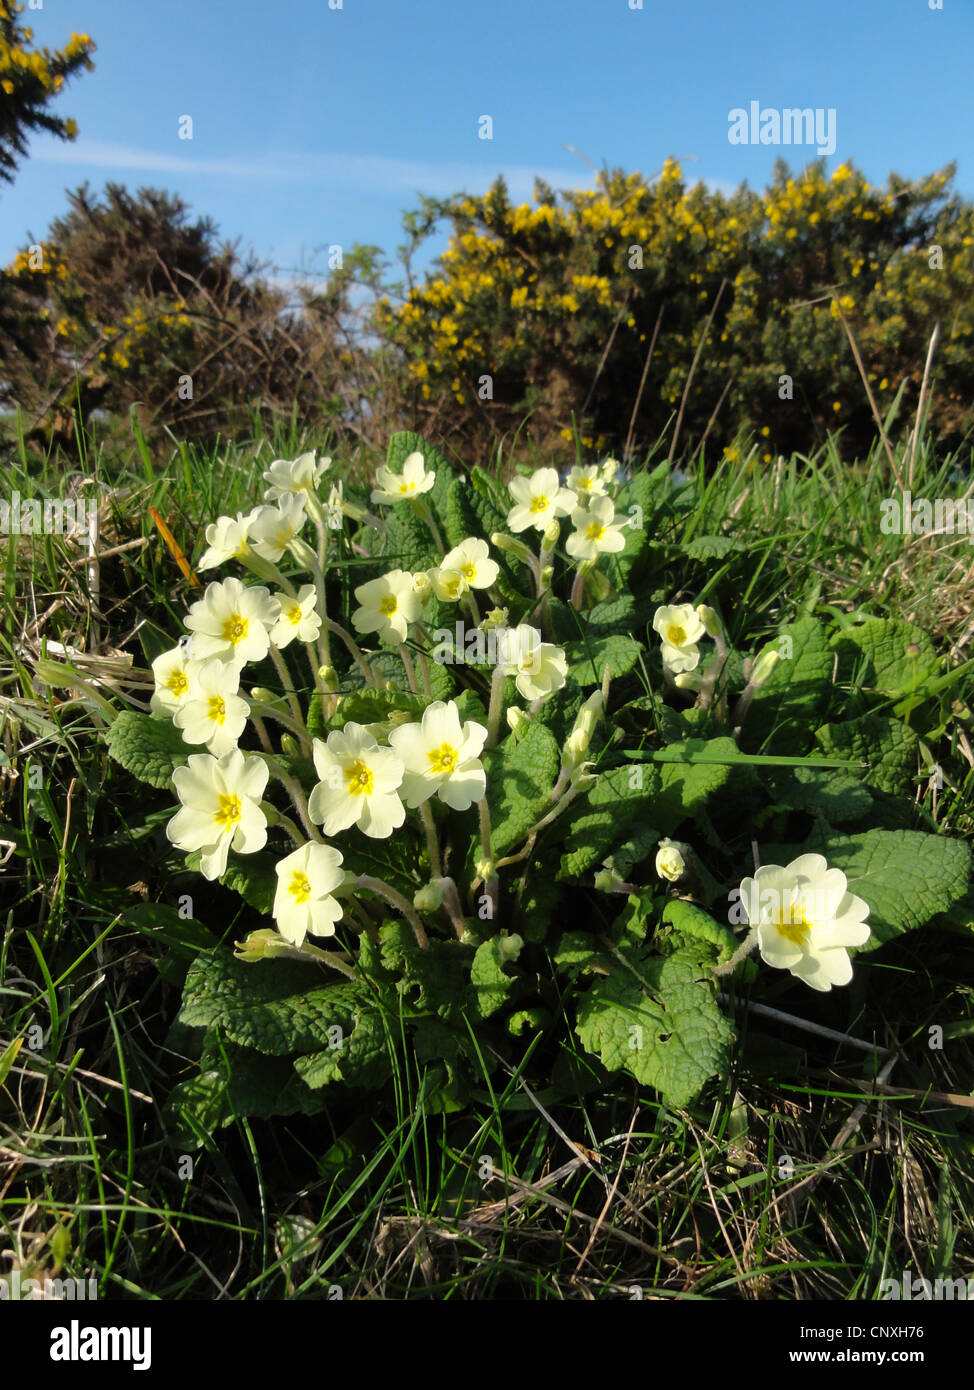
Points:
[[29, 80], [493, 750], [553, 309], [129, 303]]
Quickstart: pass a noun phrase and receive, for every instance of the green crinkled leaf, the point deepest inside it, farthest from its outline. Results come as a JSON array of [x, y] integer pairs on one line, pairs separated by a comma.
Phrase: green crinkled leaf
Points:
[[664, 1028], [589, 657], [371, 706], [359, 1055], [905, 876], [489, 986], [409, 545], [538, 903], [893, 669], [690, 923], [148, 748], [519, 779], [579, 950], [633, 850], [657, 795], [435, 979], [887, 745], [276, 1007], [712, 547], [835, 795], [783, 711], [618, 614], [255, 1085]]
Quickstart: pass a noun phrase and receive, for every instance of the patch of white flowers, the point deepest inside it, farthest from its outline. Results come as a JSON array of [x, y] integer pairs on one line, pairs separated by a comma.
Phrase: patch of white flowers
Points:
[[421, 753]]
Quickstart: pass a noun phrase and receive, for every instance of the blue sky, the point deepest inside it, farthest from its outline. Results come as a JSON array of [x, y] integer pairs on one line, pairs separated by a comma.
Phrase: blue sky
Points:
[[314, 126]]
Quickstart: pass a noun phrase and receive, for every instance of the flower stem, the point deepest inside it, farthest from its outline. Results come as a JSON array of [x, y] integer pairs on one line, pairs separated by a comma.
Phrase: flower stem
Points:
[[287, 686], [376, 885], [745, 949], [409, 669], [451, 901], [432, 842], [496, 701], [352, 646]]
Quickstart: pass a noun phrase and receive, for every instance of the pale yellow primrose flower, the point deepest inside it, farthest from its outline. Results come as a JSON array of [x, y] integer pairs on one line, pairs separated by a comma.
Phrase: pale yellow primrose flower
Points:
[[395, 487], [538, 500], [359, 784], [449, 586], [171, 674], [806, 919], [273, 528], [303, 902], [441, 758], [388, 606], [586, 481], [540, 668], [220, 808], [300, 475], [680, 628], [596, 531], [670, 863], [232, 621], [298, 618], [334, 512], [213, 712], [227, 539], [472, 559]]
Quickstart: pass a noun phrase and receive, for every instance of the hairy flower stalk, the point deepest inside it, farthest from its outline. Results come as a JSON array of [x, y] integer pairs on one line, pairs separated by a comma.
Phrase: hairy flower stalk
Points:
[[383, 890]]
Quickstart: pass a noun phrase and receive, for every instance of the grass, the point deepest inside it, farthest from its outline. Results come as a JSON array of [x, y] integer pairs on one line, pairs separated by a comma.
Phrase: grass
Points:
[[793, 1179]]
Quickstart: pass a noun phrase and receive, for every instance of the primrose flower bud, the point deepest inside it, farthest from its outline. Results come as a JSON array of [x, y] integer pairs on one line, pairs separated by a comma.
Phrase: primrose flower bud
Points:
[[497, 617], [609, 469], [608, 881], [302, 552], [502, 541], [709, 619], [518, 720], [289, 745], [261, 945], [428, 898], [670, 863], [582, 780], [509, 947], [551, 534], [578, 740], [329, 675], [688, 680], [422, 584], [547, 575], [764, 665], [484, 868]]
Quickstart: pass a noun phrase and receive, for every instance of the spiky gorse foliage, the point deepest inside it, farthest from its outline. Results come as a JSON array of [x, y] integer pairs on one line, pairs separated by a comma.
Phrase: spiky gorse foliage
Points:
[[437, 727], [560, 303], [29, 79]]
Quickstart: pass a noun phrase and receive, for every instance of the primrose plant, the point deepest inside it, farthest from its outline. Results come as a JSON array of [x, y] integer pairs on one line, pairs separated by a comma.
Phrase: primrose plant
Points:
[[444, 725]]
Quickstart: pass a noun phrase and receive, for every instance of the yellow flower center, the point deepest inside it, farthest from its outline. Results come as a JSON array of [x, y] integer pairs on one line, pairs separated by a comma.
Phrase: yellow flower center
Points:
[[584, 484], [792, 924], [407, 487], [676, 635], [229, 812], [294, 614], [299, 887], [235, 629], [216, 710], [539, 503], [359, 779], [443, 759], [469, 572], [595, 531], [388, 605], [177, 683]]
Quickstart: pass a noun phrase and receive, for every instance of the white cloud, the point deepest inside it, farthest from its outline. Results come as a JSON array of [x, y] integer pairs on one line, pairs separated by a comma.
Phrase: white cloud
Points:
[[368, 173]]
